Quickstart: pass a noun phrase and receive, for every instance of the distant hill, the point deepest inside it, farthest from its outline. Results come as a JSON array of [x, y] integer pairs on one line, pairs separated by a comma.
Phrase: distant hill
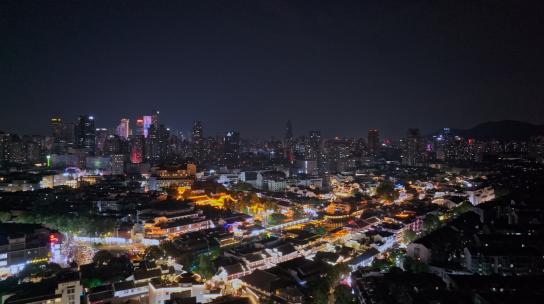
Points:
[[503, 130]]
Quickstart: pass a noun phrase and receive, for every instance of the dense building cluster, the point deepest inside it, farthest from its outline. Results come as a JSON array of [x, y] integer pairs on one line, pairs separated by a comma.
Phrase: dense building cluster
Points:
[[140, 214]]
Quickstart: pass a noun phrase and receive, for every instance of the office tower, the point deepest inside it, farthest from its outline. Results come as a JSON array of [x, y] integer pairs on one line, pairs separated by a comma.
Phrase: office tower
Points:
[[412, 148], [139, 130], [289, 142], [69, 133], [117, 164], [123, 129], [101, 135], [314, 145], [137, 149], [56, 129], [86, 133], [197, 134], [155, 117], [231, 145], [157, 143], [198, 140], [57, 132], [142, 125], [373, 142]]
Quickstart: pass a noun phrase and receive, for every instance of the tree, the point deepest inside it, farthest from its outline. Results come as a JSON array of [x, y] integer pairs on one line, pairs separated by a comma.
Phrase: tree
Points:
[[41, 269], [462, 208], [298, 211], [415, 266], [409, 235], [91, 283], [4, 217], [102, 257], [241, 186], [319, 292], [336, 273], [343, 295], [205, 267], [153, 253], [386, 190], [381, 264], [276, 218], [431, 222]]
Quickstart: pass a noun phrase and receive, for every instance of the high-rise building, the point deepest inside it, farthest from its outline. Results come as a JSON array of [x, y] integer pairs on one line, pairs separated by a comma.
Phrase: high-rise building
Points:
[[123, 129], [314, 146], [101, 135], [56, 129], [288, 143], [231, 145], [148, 121], [69, 133], [157, 143], [373, 142], [197, 134], [137, 149], [198, 140], [139, 130], [155, 117], [412, 148], [86, 133]]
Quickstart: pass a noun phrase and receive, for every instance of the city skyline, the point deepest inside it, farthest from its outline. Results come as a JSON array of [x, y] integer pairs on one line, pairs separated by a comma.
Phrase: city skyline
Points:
[[271, 152], [113, 128]]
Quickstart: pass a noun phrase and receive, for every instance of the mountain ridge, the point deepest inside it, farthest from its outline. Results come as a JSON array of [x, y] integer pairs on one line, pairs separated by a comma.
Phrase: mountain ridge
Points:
[[503, 130]]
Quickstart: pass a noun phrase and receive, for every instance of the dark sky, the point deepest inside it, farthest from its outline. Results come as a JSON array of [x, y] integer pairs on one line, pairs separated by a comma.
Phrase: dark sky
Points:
[[336, 66]]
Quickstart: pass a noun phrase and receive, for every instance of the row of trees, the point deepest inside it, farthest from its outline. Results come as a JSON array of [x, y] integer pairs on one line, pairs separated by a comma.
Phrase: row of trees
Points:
[[66, 223], [329, 290]]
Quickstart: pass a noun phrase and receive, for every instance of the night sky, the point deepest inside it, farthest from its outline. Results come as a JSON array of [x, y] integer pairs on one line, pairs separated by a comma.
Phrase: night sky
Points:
[[336, 66]]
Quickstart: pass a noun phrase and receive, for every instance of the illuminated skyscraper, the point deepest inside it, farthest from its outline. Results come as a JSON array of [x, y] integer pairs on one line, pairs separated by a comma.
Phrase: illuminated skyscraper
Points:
[[157, 143], [288, 143], [85, 133], [123, 129], [148, 121], [314, 145], [56, 129], [139, 126], [137, 148], [101, 135], [155, 117], [373, 142], [231, 145], [198, 140], [412, 148]]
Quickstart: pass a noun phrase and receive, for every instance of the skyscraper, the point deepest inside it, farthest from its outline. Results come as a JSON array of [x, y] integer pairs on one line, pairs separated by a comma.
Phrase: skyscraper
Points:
[[101, 135], [157, 143], [412, 148], [231, 145], [198, 140], [123, 129], [56, 129], [85, 133], [155, 117], [314, 146], [289, 142], [373, 141], [139, 126], [148, 121], [137, 148]]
